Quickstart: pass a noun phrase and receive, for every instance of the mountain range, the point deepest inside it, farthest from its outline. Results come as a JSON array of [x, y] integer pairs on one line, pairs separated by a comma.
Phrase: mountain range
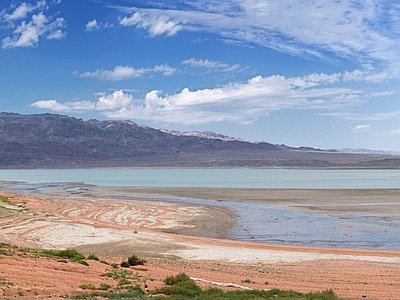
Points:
[[60, 141]]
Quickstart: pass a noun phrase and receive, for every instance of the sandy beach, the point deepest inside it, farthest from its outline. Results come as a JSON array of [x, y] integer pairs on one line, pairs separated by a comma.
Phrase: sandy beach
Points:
[[178, 237]]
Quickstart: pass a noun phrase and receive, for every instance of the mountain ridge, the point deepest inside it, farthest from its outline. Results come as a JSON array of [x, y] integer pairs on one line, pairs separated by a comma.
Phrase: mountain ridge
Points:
[[54, 141]]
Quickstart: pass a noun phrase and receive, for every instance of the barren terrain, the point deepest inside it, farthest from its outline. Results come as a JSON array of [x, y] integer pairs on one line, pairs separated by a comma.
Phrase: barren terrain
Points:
[[159, 231]]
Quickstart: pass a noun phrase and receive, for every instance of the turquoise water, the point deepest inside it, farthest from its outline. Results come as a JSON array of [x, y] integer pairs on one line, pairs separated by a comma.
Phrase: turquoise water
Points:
[[234, 178]]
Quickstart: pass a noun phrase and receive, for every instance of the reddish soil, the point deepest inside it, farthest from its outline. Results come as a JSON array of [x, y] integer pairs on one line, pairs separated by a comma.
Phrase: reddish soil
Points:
[[29, 221]]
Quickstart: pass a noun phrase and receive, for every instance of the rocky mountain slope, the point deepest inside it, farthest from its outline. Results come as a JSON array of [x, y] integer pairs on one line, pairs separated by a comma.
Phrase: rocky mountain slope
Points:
[[51, 140]]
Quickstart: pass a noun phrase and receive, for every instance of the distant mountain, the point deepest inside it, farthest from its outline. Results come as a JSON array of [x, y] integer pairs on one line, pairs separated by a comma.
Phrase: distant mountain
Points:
[[205, 134], [303, 148], [59, 141], [367, 151]]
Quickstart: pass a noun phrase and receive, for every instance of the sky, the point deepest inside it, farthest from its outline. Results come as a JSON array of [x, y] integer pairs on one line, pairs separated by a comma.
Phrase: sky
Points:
[[320, 73]]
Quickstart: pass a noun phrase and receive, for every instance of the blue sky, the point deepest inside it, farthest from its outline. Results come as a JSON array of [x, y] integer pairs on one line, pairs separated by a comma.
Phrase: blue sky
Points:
[[314, 73]]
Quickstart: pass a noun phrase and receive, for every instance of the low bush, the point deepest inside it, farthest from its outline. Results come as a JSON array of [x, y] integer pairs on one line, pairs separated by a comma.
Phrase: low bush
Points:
[[135, 261], [93, 257], [186, 288], [181, 287], [125, 264], [171, 280], [88, 286]]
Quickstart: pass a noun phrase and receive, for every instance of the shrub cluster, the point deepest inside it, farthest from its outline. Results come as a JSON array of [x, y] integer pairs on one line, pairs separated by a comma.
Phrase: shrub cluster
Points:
[[182, 287], [133, 261]]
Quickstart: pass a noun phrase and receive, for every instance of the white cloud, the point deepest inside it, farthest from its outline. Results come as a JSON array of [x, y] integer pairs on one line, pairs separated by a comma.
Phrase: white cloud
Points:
[[361, 128], [155, 25], [124, 73], [110, 102], [212, 65], [66, 107], [365, 117], [237, 102], [349, 28], [95, 25], [114, 101], [393, 132], [163, 69], [28, 32], [92, 25], [21, 11]]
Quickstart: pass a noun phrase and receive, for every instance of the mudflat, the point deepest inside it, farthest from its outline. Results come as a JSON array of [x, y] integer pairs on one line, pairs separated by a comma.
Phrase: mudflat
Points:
[[188, 237]]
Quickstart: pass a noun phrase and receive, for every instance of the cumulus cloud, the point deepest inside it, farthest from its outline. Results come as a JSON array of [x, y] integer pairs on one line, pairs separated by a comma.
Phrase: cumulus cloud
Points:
[[211, 65], [21, 11], [105, 102], [124, 72], [95, 25], [155, 25], [361, 128], [242, 102], [28, 32], [92, 25]]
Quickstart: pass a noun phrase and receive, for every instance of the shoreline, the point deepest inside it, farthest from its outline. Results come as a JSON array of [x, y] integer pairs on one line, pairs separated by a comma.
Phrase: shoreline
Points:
[[349, 216]]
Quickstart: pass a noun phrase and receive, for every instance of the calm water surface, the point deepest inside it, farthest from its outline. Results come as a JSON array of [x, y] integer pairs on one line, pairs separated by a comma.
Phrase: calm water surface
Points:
[[234, 178]]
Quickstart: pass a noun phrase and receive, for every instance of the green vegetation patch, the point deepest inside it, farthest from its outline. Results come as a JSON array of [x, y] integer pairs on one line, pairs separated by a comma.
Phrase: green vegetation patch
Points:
[[4, 199], [70, 254], [62, 255], [181, 287]]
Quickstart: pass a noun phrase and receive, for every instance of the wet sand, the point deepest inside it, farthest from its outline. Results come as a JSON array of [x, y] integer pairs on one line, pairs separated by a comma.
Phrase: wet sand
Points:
[[365, 219]]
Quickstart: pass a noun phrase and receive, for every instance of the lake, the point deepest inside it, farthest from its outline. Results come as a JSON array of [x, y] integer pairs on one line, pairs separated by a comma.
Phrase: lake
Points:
[[233, 178]]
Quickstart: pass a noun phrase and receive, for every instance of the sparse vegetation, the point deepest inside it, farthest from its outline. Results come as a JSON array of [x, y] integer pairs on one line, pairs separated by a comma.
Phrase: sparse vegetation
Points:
[[4, 199], [172, 280], [88, 286], [93, 257], [178, 287], [125, 264], [181, 287], [136, 261]]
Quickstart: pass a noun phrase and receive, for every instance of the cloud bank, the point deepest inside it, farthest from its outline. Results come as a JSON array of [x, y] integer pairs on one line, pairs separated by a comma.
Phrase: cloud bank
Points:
[[236, 102]]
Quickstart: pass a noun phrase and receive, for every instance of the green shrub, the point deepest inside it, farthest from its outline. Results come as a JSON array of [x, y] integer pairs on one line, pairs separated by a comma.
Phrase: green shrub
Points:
[[186, 288], [83, 262], [104, 287], [92, 257], [171, 280], [133, 293], [72, 254], [88, 286], [125, 264], [135, 261], [4, 199]]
